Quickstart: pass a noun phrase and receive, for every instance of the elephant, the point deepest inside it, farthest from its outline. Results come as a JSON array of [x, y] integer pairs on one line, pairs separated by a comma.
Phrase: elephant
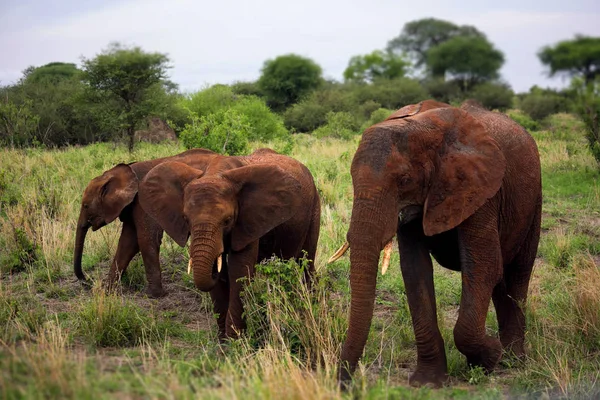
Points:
[[238, 212], [114, 194], [461, 184]]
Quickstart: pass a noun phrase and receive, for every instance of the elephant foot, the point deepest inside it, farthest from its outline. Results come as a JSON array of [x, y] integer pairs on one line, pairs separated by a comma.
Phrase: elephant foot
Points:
[[156, 292], [428, 377], [489, 355], [344, 378]]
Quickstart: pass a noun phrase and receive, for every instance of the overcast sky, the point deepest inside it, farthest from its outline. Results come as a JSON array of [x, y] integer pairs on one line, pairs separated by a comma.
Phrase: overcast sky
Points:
[[222, 41]]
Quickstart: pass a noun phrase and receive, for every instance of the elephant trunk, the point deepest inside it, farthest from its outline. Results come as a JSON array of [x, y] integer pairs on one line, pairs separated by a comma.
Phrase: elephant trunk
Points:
[[206, 248], [82, 228], [365, 238]]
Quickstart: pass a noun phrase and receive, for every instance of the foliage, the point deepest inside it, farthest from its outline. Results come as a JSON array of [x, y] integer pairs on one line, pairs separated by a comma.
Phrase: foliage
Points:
[[392, 94], [311, 112], [376, 65], [443, 90], [341, 125], [264, 124], [225, 131], [524, 120], [247, 88], [540, 103], [420, 36], [17, 122], [127, 76], [493, 96], [576, 57], [376, 117], [588, 108], [287, 78], [52, 73], [468, 59], [209, 100]]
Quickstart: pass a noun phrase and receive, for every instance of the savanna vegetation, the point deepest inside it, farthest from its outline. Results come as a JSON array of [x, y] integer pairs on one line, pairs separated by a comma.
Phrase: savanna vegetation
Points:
[[61, 125]]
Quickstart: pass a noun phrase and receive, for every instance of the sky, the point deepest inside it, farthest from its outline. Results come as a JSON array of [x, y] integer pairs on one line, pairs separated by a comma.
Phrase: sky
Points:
[[223, 41]]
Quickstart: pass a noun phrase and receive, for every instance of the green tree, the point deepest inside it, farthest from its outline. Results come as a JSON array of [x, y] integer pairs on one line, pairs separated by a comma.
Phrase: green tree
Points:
[[468, 59], [577, 57], [286, 79], [376, 65], [17, 122], [51, 73], [587, 105], [418, 37], [127, 75]]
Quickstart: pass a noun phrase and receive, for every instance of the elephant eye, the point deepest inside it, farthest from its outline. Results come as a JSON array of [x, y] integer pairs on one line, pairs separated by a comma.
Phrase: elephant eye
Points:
[[85, 206], [228, 221]]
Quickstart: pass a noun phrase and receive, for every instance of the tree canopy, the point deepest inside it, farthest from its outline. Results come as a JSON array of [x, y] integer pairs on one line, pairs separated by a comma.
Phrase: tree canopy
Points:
[[127, 76], [576, 57], [376, 65], [287, 78], [418, 37], [469, 60]]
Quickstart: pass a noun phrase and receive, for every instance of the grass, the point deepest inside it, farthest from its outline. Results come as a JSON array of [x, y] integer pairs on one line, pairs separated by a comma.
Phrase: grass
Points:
[[59, 339]]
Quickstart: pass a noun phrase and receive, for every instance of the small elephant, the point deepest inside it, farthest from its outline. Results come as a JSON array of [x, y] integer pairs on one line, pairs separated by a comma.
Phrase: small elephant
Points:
[[238, 212], [113, 194], [464, 185]]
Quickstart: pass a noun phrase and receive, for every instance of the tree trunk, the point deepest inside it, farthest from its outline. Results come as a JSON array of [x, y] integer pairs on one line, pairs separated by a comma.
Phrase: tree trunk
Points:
[[131, 134]]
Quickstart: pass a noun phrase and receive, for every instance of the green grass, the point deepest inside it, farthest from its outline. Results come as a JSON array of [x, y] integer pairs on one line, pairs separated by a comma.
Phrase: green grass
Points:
[[60, 339]]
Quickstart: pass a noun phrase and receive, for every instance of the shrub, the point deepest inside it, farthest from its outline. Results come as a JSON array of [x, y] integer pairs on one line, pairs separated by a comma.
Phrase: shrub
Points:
[[523, 119], [443, 90], [340, 125], [247, 89], [209, 100], [265, 125], [225, 132], [287, 79], [305, 116], [392, 94], [588, 108], [493, 96], [376, 117]]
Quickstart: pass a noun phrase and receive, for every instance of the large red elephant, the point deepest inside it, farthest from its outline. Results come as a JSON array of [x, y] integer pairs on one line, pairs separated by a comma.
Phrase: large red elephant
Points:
[[114, 194], [461, 184]]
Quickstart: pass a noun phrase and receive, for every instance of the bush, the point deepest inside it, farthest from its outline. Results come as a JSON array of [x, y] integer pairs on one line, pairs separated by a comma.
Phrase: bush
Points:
[[209, 100], [311, 112], [523, 119], [340, 125], [376, 117], [247, 89], [225, 131], [539, 106], [588, 108], [265, 125], [493, 96], [287, 79], [392, 94], [443, 90]]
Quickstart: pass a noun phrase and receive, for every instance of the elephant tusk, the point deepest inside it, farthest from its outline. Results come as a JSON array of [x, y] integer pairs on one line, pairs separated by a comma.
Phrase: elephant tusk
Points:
[[219, 262], [190, 266], [387, 254], [339, 253]]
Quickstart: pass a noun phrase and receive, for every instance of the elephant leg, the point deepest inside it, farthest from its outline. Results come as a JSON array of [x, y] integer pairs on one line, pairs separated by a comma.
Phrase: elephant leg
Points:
[[126, 250], [417, 272], [241, 265], [220, 298], [481, 266], [149, 240], [510, 295]]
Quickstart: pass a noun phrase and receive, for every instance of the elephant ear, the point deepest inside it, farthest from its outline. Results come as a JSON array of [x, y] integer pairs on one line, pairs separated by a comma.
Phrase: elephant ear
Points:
[[119, 187], [413, 109], [469, 171], [268, 196], [161, 196]]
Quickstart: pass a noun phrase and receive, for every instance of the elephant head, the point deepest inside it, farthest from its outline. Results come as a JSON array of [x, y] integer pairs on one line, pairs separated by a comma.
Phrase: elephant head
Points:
[[103, 200], [438, 165], [239, 205]]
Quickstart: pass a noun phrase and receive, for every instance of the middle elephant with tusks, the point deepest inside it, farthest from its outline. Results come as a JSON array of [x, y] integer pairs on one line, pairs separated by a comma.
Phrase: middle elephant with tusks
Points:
[[238, 212]]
